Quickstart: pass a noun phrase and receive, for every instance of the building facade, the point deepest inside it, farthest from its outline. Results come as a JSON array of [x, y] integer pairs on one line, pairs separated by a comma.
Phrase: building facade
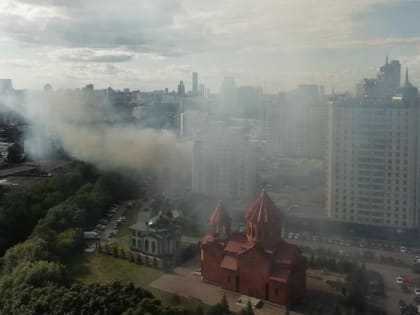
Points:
[[224, 164], [259, 263], [159, 237], [373, 160], [296, 124]]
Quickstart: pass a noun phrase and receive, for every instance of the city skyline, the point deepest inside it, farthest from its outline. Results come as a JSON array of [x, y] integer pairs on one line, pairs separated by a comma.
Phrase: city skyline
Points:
[[151, 46]]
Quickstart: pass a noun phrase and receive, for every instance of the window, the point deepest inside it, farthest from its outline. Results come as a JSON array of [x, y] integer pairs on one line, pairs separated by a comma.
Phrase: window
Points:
[[153, 247], [277, 291]]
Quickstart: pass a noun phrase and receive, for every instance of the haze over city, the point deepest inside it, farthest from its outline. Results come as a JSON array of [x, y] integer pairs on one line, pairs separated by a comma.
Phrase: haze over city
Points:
[[186, 157], [152, 44]]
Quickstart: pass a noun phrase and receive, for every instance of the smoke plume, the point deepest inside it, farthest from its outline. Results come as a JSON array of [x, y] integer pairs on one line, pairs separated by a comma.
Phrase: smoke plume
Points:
[[88, 129]]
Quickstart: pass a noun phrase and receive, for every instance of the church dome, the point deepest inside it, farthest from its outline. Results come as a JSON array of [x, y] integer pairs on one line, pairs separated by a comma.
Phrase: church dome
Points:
[[263, 210], [159, 221], [219, 215]]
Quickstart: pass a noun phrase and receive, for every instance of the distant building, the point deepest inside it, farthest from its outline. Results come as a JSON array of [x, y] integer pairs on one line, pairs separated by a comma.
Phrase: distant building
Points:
[[48, 87], [296, 123], [385, 84], [195, 83], [181, 88], [224, 164], [250, 101], [259, 263], [159, 237], [373, 160], [228, 97], [202, 90], [5, 86]]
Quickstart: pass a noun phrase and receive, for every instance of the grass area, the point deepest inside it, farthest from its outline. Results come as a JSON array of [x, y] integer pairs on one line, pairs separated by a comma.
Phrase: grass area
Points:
[[101, 268]]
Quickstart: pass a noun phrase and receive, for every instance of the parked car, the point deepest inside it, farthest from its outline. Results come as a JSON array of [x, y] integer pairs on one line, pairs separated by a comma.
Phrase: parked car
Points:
[[417, 291], [297, 236], [403, 249], [399, 280], [291, 236]]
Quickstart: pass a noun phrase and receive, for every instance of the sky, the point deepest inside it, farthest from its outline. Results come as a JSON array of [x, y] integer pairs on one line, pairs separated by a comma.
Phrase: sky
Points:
[[146, 45]]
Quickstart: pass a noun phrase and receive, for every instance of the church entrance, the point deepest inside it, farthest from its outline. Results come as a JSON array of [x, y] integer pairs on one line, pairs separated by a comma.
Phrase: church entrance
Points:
[[266, 291]]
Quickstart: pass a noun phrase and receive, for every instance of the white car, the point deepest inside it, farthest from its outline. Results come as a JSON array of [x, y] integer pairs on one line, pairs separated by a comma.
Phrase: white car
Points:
[[403, 249], [291, 235], [297, 236], [399, 280], [417, 291]]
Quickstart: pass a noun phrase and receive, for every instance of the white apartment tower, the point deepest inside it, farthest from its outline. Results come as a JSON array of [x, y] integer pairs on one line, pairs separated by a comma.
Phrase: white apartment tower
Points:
[[224, 164], [374, 160]]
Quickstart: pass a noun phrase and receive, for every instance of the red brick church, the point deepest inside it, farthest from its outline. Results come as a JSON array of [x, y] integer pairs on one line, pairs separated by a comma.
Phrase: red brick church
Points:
[[258, 263]]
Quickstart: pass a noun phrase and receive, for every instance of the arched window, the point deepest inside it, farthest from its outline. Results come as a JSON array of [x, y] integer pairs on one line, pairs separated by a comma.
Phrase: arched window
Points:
[[146, 245]]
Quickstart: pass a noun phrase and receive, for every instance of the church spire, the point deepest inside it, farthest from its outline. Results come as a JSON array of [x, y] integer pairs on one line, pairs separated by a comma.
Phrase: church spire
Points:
[[406, 76], [386, 60], [220, 221], [263, 220]]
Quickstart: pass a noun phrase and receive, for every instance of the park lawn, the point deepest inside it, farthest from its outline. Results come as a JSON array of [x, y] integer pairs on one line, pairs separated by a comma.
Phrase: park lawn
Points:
[[101, 268]]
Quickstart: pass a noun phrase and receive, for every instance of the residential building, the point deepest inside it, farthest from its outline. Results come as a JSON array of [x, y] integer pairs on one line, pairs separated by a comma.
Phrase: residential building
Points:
[[224, 163], [195, 83], [374, 160]]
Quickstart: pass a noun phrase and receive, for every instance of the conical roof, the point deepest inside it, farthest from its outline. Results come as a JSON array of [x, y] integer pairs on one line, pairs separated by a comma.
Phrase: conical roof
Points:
[[263, 210], [219, 215]]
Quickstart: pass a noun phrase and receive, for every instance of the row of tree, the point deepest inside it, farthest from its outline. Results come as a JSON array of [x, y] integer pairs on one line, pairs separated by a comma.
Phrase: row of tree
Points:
[[58, 236]]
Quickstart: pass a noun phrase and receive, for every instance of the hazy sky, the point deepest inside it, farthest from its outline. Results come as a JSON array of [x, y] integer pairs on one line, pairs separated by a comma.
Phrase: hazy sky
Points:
[[150, 44]]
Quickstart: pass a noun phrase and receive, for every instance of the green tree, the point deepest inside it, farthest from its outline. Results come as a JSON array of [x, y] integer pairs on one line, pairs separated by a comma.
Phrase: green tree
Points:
[[15, 153]]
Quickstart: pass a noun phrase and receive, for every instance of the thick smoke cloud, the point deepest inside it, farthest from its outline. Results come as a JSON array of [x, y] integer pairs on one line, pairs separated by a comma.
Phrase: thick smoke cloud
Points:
[[89, 130]]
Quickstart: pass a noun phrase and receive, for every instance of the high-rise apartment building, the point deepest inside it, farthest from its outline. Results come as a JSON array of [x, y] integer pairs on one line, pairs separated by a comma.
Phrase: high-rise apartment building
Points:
[[385, 84], [195, 83], [296, 124], [224, 164], [181, 88], [374, 160]]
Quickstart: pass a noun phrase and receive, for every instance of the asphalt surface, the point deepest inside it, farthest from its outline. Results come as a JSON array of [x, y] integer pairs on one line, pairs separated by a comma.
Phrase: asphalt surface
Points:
[[394, 292], [109, 228]]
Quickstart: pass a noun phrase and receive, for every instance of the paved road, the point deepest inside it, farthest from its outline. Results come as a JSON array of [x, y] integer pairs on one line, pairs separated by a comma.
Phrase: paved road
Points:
[[109, 228], [405, 258], [393, 291]]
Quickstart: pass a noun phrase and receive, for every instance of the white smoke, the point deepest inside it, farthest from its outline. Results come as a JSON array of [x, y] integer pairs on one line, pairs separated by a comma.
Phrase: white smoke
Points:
[[86, 129]]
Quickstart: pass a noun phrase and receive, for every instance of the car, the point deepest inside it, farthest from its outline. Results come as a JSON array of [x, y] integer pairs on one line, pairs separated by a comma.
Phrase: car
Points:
[[417, 291], [297, 236], [403, 249], [399, 280], [291, 236], [417, 299]]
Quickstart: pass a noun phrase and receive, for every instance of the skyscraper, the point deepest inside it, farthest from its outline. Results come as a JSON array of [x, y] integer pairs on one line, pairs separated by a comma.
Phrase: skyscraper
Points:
[[385, 84], [195, 83], [228, 96], [224, 164], [373, 163], [5, 85], [181, 88]]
